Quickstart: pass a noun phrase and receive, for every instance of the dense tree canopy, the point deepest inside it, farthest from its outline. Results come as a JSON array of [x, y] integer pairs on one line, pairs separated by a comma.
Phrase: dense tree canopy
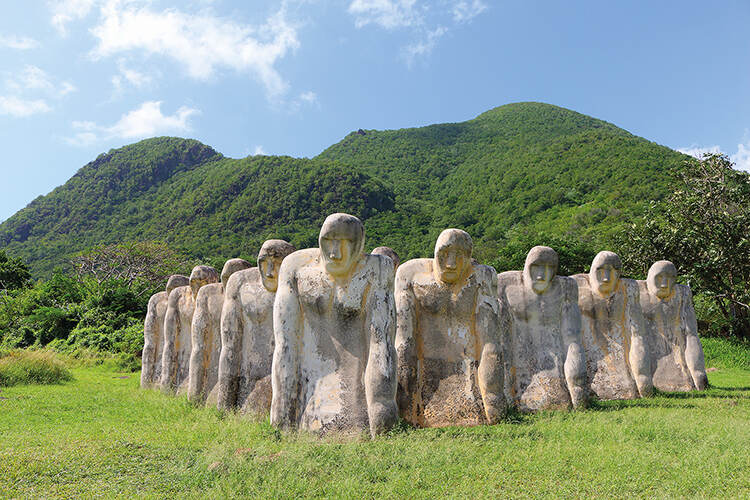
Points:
[[13, 272]]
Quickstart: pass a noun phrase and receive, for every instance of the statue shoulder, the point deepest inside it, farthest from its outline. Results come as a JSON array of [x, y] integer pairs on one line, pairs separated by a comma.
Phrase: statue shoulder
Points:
[[157, 298], [486, 277], [240, 278], [177, 295], [510, 278], [409, 269], [298, 259], [208, 291], [582, 279]]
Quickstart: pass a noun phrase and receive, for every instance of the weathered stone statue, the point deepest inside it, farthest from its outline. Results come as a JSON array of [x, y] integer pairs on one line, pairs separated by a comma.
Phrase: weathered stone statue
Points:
[[547, 364], [177, 329], [247, 333], [448, 338], [153, 333], [677, 361], [613, 332], [334, 318], [206, 335], [388, 252]]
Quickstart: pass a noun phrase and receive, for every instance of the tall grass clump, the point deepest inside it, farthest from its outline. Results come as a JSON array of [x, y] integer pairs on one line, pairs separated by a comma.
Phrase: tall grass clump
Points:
[[19, 367], [726, 353]]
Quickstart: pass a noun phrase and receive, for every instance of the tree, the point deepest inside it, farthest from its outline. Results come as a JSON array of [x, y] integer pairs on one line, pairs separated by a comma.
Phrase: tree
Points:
[[704, 228], [13, 272]]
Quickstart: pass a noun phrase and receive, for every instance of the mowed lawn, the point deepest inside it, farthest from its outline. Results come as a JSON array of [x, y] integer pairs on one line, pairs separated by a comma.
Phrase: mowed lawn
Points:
[[100, 435]]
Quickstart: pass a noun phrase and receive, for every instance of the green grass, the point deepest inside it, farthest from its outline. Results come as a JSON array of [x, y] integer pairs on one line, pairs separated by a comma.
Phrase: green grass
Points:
[[723, 353], [101, 435], [19, 367]]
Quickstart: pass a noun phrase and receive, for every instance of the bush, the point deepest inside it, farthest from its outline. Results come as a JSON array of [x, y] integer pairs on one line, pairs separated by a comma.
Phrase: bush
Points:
[[31, 367], [725, 353]]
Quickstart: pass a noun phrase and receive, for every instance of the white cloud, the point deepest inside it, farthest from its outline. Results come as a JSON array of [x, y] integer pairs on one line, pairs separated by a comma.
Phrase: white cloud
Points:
[[309, 97], [425, 46], [144, 121], [464, 10], [698, 151], [259, 150], [20, 108], [202, 43], [18, 42], [741, 157], [66, 11], [129, 76], [388, 14], [35, 78]]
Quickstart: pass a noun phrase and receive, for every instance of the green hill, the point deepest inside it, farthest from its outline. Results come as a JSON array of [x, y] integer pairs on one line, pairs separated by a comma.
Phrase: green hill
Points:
[[520, 167]]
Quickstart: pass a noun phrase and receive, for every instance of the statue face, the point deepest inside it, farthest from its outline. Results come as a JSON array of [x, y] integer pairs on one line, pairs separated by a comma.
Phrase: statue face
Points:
[[664, 282], [542, 274], [452, 260], [268, 266], [606, 278], [202, 275], [341, 241], [661, 279]]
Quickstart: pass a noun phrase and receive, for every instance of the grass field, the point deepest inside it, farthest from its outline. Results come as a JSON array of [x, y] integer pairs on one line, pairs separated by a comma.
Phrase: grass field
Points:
[[100, 435]]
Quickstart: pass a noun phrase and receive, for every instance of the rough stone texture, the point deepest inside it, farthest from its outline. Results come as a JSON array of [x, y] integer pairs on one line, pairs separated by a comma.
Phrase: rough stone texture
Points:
[[547, 367], [334, 364], [448, 338], [177, 330], [612, 330], [388, 252], [247, 333], [153, 333], [676, 353], [206, 335]]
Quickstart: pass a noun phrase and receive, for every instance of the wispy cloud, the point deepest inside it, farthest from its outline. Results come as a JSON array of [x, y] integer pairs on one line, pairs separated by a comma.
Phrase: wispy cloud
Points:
[[18, 42], [145, 121], [21, 108], [741, 157], [129, 76], [67, 11], [259, 150], [388, 14], [464, 11], [424, 46], [202, 43]]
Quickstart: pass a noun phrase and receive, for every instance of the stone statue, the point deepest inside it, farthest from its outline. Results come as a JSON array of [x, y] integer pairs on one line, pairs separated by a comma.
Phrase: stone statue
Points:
[[448, 338], [177, 329], [547, 364], [206, 335], [613, 332], [677, 362], [247, 333], [334, 319], [388, 252], [153, 333]]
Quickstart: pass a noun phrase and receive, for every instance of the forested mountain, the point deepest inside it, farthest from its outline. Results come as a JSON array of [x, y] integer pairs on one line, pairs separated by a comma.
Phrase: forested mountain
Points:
[[517, 169]]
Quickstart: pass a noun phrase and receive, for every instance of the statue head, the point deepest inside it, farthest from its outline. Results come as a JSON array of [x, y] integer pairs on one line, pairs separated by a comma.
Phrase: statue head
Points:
[[540, 268], [202, 275], [605, 272], [232, 266], [388, 252], [341, 241], [176, 280], [453, 255], [661, 279], [269, 261]]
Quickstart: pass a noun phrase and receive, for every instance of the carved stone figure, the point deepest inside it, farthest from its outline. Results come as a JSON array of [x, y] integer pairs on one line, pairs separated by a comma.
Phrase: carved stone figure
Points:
[[676, 353], [153, 333], [388, 252], [334, 318], [247, 333], [613, 332], [547, 364], [206, 335], [177, 330], [448, 338]]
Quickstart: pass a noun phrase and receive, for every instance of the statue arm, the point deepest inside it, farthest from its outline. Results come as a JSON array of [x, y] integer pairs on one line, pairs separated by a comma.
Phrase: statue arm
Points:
[[171, 329], [149, 344], [693, 349], [198, 331], [380, 374], [287, 326], [405, 345], [575, 359], [491, 329], [640, 362], [231, 335]]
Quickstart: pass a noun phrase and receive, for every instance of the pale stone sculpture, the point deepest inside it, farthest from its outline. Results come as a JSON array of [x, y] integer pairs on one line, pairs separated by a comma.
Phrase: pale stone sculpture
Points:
[[247, 333], [547, 364], [334, 318], [388, 252], [448, 338], [177, 329], [676, 353], [613, 332], [153, 332], [206, 335]]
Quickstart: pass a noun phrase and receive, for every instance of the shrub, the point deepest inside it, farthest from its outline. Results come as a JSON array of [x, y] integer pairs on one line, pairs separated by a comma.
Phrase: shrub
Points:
[[725, 353], [32, 367]]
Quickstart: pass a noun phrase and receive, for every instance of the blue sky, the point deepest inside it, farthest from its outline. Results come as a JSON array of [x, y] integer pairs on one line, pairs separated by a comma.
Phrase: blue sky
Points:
[[79, 77]]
